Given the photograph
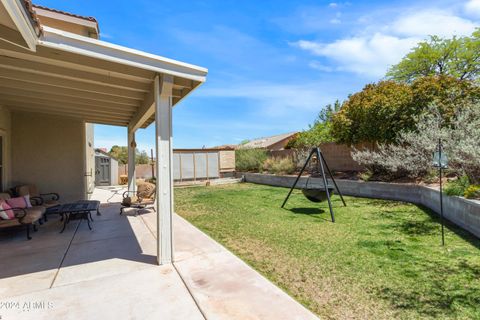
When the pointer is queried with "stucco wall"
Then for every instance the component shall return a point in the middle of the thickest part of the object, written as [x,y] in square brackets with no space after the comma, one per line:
[464,213]
[50,152]
[5,125]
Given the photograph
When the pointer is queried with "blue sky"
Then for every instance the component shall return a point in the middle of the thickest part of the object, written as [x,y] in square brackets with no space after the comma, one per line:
[272,64]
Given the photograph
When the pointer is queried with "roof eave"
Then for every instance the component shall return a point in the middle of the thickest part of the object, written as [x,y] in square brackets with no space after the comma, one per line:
[70,42]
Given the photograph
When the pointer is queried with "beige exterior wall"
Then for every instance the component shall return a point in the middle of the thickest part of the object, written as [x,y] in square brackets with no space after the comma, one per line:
[227,160]
[90,159]
[50,152]
[5,132]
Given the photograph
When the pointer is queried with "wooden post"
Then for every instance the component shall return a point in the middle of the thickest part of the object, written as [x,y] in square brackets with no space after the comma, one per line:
[164,168]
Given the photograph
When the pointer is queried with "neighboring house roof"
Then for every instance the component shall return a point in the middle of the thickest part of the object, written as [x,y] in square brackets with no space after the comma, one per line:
[267,141]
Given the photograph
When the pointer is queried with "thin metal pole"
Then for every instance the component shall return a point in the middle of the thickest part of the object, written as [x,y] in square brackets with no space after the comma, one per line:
[441,191]
[320,161]
[333,179]
[298,178]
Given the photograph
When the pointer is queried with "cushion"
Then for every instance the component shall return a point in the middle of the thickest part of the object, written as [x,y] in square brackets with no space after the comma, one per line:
[27,201]
[8,214]
[18,202]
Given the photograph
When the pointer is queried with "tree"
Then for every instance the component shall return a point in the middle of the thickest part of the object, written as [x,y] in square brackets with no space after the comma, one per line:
[375,114]
[456,57]
[121,154]
[319,132]
[381,110]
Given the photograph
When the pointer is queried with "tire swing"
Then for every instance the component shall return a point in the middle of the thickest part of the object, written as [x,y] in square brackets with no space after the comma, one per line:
[314,193]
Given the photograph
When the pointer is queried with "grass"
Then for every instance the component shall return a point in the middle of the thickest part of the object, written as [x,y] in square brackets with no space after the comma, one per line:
[380,260]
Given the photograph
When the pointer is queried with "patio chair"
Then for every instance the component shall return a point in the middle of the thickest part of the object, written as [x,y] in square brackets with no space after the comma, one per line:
[23,216]
[143,198]
[47,200]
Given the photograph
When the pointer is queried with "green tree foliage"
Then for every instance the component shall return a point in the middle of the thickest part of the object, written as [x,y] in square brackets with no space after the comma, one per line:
[318,132]
[121,154]
[458,57]
[375,114]
[381,110]
[248,159]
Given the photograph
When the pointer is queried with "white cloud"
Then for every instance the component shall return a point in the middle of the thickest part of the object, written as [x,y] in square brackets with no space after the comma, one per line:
[432,22]
[335,21]
[333,5]
[321,67]
[273,99]
[376,47]
[472,8]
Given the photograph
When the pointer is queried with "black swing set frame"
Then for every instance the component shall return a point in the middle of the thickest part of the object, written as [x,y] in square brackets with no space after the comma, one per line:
[322,164]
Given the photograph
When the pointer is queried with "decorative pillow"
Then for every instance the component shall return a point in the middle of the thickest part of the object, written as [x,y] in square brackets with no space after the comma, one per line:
[27,201]
[17,202]
[8,213]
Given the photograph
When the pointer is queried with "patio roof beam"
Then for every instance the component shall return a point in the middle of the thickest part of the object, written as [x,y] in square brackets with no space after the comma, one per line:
[74,65]
[61,107]
[69,74]
[57,98]
[119,55]
[14,105]
[67,92]
[100,119]
[69,84]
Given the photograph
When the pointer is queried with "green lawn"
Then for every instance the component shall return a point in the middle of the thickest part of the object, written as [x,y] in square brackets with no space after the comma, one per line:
[380,260]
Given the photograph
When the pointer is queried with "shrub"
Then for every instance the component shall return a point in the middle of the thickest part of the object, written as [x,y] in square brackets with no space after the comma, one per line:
[250,159]
[411,155]
[457,187]
[279,165]
[472,192]
[381,110]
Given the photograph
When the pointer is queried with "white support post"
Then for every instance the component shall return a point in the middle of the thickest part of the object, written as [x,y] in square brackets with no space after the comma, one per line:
[132,147]
[164,170]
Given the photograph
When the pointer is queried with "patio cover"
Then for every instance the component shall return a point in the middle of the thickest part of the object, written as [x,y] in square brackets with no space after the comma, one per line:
[50,71]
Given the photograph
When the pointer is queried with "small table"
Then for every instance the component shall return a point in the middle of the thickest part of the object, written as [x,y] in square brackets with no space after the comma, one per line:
[77,210]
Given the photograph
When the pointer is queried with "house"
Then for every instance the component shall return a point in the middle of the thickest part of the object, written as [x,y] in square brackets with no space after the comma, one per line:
[273,143]
[57,79]
[106,168]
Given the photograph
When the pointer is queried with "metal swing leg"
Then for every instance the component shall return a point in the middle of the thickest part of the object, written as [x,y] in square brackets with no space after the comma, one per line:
[333,179]
[320,163]
[298,178]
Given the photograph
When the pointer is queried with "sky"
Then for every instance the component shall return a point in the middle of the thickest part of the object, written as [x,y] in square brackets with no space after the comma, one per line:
[273,64]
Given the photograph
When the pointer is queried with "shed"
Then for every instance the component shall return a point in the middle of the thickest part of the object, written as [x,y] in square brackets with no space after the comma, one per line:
[106,169]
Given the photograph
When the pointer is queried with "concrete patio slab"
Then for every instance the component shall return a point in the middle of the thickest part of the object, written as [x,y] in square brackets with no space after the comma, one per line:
[155,293]
[111,273]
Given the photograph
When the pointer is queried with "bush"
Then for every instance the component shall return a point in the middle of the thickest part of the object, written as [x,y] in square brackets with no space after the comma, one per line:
[279,165]
[381,110]
[411,155]
[457,187]
[250,159]
[472,192]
